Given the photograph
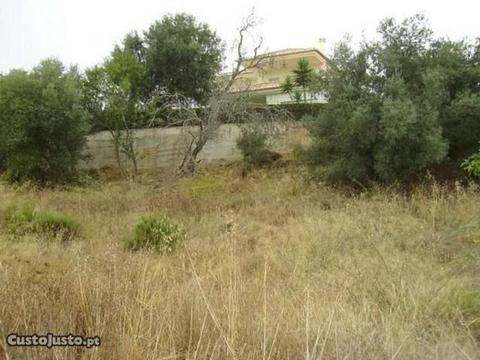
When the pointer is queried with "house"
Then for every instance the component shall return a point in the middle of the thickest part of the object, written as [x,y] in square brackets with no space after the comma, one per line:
[263,83]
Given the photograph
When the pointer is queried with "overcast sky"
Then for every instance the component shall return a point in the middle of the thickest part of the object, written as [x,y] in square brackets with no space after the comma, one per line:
[83,32]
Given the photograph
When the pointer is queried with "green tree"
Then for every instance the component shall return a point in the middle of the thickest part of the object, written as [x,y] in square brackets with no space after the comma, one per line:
[458,64]
[42,123]
[461,125]
[183,56]
[126,66]
[125,72]
[408,138]
[382,119]
[118,100]
[303,78]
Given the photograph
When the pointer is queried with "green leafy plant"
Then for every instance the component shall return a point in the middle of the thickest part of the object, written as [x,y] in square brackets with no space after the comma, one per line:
[26,219]
[472,165]
[19,220]
[254,148]
[382,120]
[158,233]
[42,123]
[303,79]
[183,56]
[461,125]
[56,225]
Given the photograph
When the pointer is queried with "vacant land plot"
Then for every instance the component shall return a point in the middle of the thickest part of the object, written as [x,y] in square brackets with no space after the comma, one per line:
[271,268]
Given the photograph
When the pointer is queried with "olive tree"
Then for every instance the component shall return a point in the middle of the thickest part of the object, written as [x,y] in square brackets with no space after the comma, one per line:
[42,123]
[394,105]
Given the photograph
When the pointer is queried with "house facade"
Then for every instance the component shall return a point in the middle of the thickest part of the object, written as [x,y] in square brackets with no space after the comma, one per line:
[263,83]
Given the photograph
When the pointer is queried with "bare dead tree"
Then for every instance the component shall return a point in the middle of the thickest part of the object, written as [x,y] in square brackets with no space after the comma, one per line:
[244,63]
[225,105]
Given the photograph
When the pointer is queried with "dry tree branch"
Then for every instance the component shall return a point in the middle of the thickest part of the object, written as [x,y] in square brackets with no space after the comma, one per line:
[200,124]
[242,63]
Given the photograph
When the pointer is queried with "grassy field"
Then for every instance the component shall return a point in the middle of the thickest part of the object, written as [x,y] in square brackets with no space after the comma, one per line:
[271,268]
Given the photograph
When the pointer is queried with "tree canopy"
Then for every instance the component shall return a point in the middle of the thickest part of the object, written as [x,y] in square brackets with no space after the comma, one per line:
[42,123]
[396,106]
[177,55]
[183,56]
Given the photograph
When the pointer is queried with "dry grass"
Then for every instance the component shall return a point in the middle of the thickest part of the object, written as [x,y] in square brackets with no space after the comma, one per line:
[271,269]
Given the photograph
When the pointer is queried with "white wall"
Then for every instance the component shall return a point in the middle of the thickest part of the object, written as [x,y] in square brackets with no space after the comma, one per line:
[277,99]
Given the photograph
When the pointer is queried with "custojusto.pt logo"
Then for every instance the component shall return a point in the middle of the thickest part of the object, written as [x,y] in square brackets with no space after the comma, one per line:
[50,340]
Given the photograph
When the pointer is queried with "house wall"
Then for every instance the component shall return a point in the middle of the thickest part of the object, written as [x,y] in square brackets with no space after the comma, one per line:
[263,78]
[163,148]
[276,99]
[281,98]
[274,71]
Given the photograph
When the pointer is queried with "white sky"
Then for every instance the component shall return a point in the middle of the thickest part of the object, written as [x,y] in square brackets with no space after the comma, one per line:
[83,32]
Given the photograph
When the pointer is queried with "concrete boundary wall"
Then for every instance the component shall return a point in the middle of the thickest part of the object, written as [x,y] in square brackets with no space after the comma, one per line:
[158,148]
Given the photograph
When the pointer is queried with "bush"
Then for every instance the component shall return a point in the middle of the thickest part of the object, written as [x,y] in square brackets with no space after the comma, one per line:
[381,121]
[253,146]
[56,225]
[461,126]
[26,219]
[157,233]
[42,124]
[19,220]
[472,165]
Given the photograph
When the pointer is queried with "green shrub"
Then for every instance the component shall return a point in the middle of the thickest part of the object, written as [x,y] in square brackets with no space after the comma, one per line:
[56,225]
[19,220]
[25,219]
[157,233]
[472,165]
[253,146]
